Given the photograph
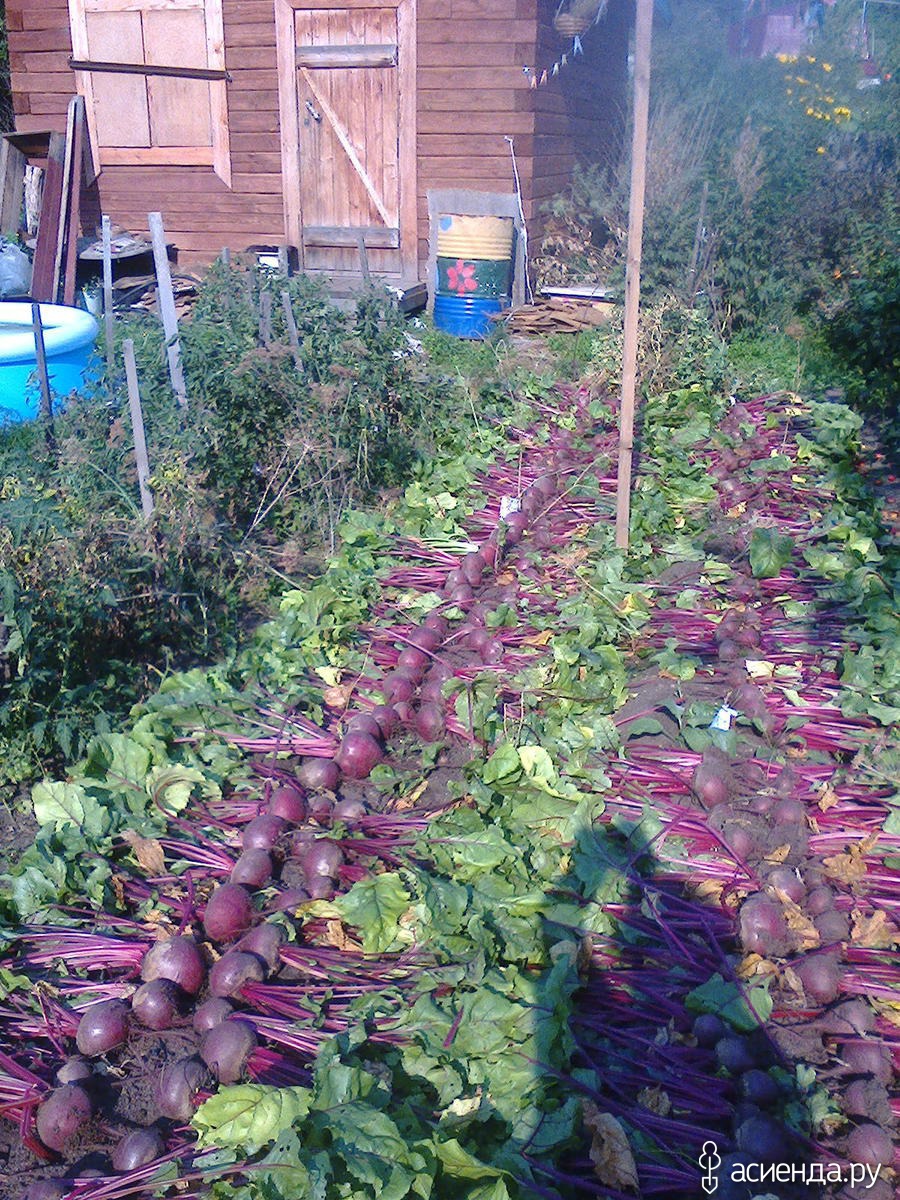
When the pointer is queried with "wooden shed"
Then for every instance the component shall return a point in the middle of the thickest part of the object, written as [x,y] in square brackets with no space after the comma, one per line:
[320,124]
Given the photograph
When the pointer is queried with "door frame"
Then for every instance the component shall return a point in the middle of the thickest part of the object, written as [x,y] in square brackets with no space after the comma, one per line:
[289,119]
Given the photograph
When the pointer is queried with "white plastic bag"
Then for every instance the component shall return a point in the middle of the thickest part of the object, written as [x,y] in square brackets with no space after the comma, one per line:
[15,270]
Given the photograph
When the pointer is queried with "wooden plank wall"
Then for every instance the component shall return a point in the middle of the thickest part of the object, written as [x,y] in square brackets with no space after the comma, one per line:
[580,115]
[595,88]
[471,94]
[201,214]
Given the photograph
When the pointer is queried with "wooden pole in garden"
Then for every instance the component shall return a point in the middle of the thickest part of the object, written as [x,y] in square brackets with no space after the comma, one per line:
[108,300]
[40,355]
[166,301]
[137,425]
[642,39]
[292,329]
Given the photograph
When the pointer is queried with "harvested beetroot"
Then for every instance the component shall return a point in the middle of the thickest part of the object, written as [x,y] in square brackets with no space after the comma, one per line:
[265,941]
[709,784]
[763,1139]
[253,869]
[788,881]
[211,1013]
[758,1087]
[322,859]
[762,926]
[136,1149]
[386,717]
[820,975]
[62,1115]
[179,959]
[74,1070]
[321,810]
[868,1057]
[349,811]
[708,1029]
[102,1027]
[735,1054]
[358,754]
[398,686]
[178,1085]
[289,803]
[233,970]
[319,774]
[263,832]
[849,1017]
[430,722]
[157,1004]
[47,1189]
[820,900]
[832,926]
[473,568]
[871,1145]
[364,723]
[226,1047]
[414,661]
[229,913]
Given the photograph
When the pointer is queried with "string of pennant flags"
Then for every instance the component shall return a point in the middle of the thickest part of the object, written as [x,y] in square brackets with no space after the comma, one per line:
[564,23]
[537,78]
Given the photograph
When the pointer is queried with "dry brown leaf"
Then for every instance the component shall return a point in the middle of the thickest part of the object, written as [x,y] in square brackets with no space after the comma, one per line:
[877,932]
[754,965]
[505,577]
[805,934]
[707,889]
[791,980]
[656,1100]
[119,888]
[574,556]
[779,854]
[828,797]
[404,803]
[747,966]
[610,1152]
[147,851]
[738,510]
[538,639]
[338,696]
[334,934]
[850,867]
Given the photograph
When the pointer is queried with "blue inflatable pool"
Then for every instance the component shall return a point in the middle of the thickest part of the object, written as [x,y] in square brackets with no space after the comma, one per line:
[69,335]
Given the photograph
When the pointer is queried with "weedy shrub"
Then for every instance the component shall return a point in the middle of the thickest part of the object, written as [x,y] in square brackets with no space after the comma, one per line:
[250,483]
[677,346]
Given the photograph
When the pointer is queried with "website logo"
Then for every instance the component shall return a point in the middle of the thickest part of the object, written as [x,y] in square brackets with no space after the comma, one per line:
[710,1160]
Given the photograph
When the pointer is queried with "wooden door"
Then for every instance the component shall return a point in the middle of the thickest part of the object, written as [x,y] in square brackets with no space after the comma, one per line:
[350,186]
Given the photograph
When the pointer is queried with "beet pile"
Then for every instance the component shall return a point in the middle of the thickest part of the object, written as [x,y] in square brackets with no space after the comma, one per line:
[715,937]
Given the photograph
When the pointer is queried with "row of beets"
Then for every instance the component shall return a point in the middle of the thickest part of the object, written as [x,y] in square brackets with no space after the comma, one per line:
[747,830]
[201,988]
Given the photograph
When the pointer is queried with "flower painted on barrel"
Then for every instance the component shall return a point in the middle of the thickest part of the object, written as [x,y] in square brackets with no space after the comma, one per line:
[461,278]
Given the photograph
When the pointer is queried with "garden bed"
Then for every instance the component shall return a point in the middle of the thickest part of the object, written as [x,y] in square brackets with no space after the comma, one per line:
[550,928]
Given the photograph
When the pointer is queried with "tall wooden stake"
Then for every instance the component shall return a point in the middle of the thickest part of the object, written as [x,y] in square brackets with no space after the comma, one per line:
[642,38]
[108,301]
[293,334]
[137,425]
[166,301]
[46,402]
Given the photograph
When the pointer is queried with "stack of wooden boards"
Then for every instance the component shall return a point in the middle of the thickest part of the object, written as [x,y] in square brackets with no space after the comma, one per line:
[557,315]
[67,168]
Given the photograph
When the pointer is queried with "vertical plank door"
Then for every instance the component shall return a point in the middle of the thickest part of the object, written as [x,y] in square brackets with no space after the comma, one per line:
[354,170]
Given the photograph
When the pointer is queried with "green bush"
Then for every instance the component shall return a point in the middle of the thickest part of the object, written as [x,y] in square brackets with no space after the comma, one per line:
[250,483]
[864,335]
